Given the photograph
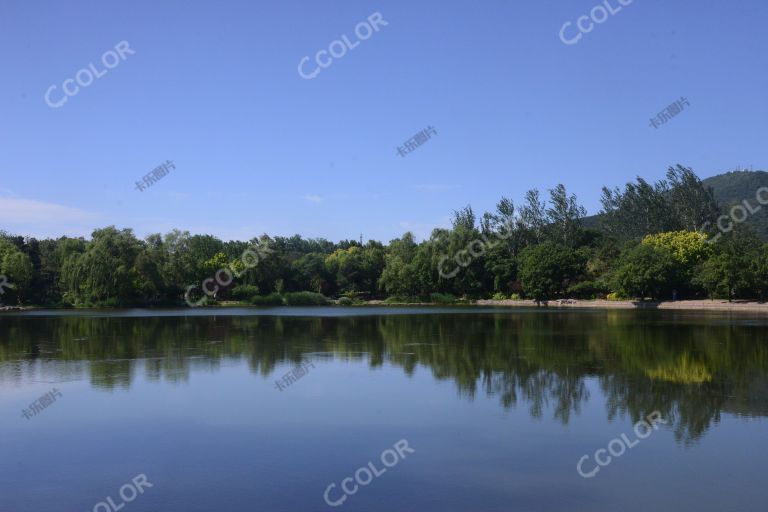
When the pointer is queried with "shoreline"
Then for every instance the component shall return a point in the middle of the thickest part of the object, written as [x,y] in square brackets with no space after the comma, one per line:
[691,305]
[686,305]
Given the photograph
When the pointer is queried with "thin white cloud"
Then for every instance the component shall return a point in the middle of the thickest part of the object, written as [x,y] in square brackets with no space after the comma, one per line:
[423,230]
[315,198]
[28,217]
[23,211]
[435,187]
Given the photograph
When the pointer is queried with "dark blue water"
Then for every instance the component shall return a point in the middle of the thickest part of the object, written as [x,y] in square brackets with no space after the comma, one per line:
[497,407]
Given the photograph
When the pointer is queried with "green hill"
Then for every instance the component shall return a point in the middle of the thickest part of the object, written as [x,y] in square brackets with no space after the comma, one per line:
[730,188]
[734,187]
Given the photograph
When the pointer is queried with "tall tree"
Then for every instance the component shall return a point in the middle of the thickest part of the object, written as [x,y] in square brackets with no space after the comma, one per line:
[564,216]
[681,202]
[533,215]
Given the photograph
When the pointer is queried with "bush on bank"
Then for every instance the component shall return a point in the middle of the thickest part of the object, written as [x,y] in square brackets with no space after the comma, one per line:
[442,298]
[244,292]
[290,299]
[273,299]
[305,299]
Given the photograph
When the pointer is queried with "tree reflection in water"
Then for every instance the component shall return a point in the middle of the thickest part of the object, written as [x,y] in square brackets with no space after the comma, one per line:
[691,367]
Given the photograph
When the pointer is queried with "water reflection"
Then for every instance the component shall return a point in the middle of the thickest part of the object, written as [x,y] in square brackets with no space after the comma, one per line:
[690,367]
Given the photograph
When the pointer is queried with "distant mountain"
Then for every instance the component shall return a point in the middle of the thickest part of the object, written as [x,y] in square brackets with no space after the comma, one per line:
[735,187]
[731,188]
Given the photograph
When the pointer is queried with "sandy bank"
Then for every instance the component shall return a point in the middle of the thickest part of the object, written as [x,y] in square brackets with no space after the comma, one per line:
[712,305]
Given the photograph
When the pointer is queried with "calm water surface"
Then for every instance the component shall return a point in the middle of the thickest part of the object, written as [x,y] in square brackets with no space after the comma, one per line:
[498,407]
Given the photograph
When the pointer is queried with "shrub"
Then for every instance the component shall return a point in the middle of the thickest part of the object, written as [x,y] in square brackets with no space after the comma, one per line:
[345,301]
[357,297]
[305,299]
[442,298]
[273,299]
[614,296]
[244,291]
[111,302]
[515,296]
[584,290]
[499,296]
[397,299]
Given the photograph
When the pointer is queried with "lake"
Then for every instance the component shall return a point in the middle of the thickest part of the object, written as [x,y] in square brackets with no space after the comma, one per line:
[382,409]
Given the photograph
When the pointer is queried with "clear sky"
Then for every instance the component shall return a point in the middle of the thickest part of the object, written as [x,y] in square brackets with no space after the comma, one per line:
[215,88]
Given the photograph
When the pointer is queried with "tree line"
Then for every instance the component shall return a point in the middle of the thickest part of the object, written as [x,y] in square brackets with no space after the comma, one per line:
[651,241]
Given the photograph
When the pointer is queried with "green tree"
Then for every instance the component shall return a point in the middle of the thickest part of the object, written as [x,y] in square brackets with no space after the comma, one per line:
[687,247]
[356,269]
[459,257]
[311,274]
[693,204]
[734,270]
[18,270]
[548,269]
[399,275]
[680,202]
[761,271]
[105,273]
[533,216]
[646,271]
[564,216]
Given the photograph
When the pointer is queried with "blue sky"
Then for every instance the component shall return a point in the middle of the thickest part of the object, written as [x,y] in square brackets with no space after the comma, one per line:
[214,87]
